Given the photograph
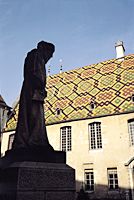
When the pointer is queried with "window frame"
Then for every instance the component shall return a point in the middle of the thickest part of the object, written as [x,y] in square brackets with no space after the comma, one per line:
[130,124]
[112,179]
[90,180]
[67,145]
[95,135]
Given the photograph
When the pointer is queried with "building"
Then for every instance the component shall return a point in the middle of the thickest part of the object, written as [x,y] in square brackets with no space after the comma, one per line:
[4,113]
[89,114]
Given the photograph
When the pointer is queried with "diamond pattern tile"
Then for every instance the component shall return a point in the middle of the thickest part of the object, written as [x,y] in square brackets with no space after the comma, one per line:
[109,84]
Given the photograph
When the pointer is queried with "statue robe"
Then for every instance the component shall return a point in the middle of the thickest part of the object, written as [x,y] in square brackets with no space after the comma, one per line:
[31,130]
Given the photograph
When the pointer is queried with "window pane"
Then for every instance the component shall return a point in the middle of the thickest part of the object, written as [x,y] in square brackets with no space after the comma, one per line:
[92,187]
[110,175]
[116,186]
[115,175]
[111,186]
[116,182]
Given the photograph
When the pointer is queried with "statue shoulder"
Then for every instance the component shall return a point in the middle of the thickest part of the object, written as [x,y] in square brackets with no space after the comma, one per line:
[32,52]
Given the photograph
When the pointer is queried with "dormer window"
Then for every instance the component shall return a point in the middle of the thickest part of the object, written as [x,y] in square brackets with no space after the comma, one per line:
[132,98]
[92,105]
[58,111]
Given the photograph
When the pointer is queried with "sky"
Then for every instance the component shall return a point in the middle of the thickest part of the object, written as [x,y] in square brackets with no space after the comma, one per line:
[84,32]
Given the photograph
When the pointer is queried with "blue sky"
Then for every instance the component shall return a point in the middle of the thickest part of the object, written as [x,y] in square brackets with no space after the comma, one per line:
[83,31]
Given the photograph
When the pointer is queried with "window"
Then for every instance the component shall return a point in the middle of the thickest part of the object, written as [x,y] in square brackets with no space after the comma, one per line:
[95,135]
[112,179]
[89,180]
[66,143]
[92,105]
[58,111]
[132,98]
[131,130]
[10,142]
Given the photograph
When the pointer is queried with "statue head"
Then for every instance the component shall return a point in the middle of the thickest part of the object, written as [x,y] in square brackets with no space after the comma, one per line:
[47,50]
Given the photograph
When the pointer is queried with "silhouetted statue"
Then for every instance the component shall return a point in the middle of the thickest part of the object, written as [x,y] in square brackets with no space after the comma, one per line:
[31,129]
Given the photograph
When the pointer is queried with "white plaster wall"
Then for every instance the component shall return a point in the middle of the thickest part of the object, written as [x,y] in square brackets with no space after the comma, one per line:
[116,149]
[5,140]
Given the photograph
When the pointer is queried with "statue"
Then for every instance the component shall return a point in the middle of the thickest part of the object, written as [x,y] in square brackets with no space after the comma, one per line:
[31,141]
[32,169]
[31,129]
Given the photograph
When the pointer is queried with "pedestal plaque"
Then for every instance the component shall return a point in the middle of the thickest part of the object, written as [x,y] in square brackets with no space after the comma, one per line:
[37,181]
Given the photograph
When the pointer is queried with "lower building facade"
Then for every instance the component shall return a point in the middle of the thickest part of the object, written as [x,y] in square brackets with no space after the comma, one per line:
[101,150]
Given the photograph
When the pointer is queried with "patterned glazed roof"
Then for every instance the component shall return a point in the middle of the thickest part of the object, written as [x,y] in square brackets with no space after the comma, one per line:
[108,85]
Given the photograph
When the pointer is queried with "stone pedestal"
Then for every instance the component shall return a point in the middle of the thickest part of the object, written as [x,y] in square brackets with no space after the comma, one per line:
[37,181]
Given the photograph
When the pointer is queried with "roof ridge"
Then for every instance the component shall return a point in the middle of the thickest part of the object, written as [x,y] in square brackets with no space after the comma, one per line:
[94,64]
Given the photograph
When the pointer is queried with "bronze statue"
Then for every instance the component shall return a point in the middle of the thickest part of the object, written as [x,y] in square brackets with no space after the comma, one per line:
[31,129]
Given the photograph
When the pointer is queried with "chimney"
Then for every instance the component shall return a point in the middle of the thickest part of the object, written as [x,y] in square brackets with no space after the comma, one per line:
[120,50]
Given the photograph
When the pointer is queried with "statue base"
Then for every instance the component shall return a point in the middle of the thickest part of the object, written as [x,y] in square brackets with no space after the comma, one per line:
[33,154]
[37,181]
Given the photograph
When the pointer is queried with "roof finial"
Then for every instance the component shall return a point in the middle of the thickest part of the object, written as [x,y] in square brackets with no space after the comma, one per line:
[60,65]
[49,70]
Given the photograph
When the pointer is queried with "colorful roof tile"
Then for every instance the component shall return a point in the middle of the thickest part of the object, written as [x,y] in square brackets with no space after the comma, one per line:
[109,85]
